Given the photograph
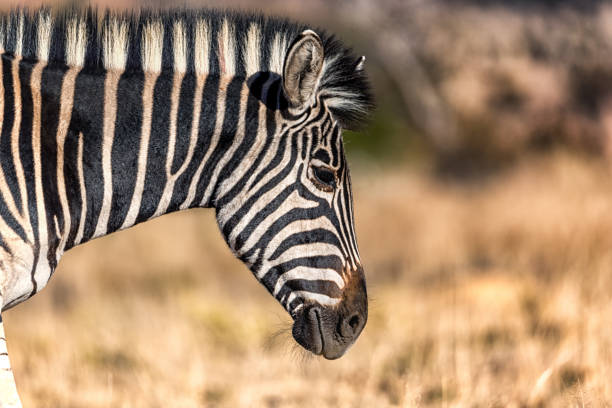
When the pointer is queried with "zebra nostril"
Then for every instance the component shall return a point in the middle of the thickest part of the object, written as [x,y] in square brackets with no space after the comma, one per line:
[351,325]
[354,322]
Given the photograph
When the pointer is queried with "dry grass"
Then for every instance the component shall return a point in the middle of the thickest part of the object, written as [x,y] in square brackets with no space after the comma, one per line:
[490,294]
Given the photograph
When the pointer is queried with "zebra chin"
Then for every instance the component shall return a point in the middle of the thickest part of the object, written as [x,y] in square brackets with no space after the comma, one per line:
[331,330]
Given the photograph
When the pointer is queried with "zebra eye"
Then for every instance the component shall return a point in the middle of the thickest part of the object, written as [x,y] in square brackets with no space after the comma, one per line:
[324,178]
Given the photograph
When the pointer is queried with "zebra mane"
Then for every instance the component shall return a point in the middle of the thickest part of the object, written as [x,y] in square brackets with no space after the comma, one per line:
[197,41]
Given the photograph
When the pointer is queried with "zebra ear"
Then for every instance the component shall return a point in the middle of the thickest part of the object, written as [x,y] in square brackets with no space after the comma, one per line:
[302,69]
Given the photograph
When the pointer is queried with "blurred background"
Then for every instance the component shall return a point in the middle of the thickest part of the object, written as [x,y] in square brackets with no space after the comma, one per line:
[484,216]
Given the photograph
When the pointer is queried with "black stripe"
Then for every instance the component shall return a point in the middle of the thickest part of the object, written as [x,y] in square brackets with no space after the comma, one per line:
[334,144]
[213,30]
[167,48]
[93,53]
[126,146]
[240,30]
[51,82]
[8,121]
[30,36]
[323,155]
[88,117]
[11,34]
[155,177]
[26,154]
[134,56]
[73,187]
[33,273]
[184,121]
[190,38]
[57,46]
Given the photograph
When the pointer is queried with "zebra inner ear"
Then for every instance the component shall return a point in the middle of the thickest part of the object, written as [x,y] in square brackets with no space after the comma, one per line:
[302,69]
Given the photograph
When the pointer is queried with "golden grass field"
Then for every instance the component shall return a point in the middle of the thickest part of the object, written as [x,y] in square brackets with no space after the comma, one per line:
[489,293]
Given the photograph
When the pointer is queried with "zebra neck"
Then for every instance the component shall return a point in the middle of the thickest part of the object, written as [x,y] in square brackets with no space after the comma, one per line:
[140,145]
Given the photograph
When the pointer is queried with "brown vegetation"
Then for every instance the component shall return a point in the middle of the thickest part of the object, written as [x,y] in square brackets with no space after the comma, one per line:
[494,293]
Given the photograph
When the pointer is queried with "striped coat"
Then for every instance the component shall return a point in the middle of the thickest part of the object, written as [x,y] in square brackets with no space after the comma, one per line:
[110,120]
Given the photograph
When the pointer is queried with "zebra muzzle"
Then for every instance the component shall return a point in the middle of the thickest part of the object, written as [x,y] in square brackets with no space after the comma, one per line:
[330,331]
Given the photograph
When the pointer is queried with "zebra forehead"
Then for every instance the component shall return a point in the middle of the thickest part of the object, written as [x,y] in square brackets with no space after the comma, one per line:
[201,41]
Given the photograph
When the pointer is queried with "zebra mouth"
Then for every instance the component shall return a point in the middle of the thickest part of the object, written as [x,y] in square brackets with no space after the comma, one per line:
[321,336]
[308,330]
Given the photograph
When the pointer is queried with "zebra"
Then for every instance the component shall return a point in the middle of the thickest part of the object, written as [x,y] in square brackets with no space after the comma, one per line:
[109,119]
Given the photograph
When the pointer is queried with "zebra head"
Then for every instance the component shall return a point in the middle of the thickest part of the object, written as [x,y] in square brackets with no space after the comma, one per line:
[293,226]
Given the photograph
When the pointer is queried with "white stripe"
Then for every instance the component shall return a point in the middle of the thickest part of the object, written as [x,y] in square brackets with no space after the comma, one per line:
[76,42]
[179,45]
[311,274]
[110,116]
[43,37]
[19,40]
[152,46]
[145,134]
[202,44]
[115,44]
[227,49]
[3,30]
[319,298]
[66,104]
[83,216]
[277,51]
[251,50]
[166,196]
[43,270]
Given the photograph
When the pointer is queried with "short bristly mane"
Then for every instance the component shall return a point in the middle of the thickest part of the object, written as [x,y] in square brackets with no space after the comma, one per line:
[199,41]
